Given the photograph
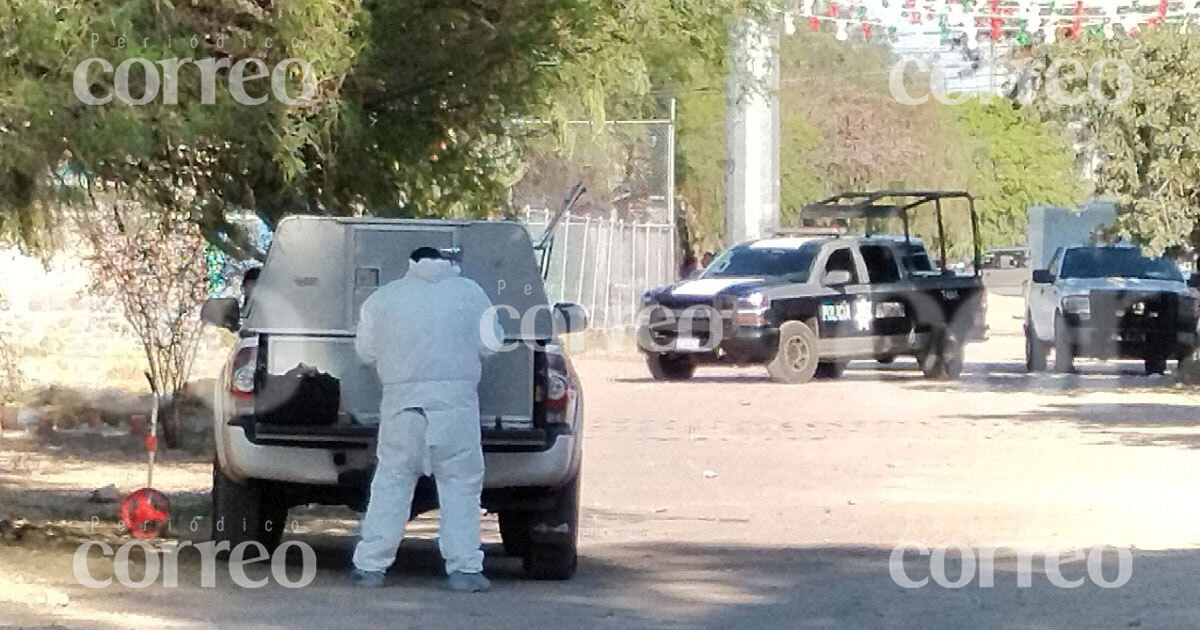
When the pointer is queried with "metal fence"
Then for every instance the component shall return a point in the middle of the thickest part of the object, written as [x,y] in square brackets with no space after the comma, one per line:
[605,265]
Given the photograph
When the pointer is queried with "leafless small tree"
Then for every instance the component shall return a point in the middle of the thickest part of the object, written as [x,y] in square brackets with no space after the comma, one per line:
[152,262]
[11,378]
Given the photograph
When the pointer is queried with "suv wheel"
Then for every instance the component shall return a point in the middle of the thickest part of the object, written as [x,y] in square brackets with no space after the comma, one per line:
[943,358]
[552,551]
[251,511]
[664,367]
[797,358]
[1064,346]
[1035,349]
[831,369]
[1155,365]
[514,532]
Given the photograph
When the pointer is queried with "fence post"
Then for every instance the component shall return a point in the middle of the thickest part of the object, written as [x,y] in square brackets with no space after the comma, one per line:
[566,246]
[587,229]
[608,274]
[596,269]
[646,263]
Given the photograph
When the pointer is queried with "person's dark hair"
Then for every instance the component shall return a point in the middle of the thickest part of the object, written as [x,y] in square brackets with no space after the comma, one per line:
[421,253]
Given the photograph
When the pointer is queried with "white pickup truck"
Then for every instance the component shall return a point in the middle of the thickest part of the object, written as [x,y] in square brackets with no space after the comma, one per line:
[1110,303]
[303,314]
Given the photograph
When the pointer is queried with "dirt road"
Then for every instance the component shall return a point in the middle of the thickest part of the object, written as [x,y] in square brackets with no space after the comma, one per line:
[729,501]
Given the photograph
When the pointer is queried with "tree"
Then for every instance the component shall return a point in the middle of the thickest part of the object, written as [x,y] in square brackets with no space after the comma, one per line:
[1015,162]
[151,262]
[413,111]
[11,377]
[1147,145]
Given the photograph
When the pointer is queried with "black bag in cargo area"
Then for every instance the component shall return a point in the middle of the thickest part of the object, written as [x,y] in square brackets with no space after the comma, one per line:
[303,396]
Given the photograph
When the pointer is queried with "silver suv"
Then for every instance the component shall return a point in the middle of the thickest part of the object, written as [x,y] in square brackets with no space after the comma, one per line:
[278,447]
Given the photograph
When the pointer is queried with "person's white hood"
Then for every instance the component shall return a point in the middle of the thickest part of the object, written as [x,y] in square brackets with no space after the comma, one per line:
[432,270]
[424,333]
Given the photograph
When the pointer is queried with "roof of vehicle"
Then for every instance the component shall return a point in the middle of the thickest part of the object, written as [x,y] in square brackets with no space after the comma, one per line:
[894,238]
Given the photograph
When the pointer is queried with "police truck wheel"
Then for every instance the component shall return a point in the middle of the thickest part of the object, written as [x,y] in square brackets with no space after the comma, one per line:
[797,358]
[1155,365]
[831,369]
[242,512]
[1064,347]
[552,553]
[514,532]
[943,358]
[1035,350]
[665,367]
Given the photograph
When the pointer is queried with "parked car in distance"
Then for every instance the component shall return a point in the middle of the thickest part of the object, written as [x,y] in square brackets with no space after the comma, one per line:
[805,306]
[1109,302]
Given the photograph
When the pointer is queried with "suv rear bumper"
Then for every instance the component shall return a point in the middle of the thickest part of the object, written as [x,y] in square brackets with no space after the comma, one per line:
[242,459]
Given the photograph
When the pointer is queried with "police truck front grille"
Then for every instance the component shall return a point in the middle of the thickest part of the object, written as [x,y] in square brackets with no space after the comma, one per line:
[668,323]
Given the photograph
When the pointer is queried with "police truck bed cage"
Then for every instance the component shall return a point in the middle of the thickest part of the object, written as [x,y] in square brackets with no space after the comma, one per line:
[888,204]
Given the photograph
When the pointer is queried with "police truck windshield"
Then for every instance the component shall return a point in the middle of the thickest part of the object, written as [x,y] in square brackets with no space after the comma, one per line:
[749,261]
[1116,262]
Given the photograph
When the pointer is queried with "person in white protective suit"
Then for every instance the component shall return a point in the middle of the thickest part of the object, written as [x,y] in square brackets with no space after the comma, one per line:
[426,334]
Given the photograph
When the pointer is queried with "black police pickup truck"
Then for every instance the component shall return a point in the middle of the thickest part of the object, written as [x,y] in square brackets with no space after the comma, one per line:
[804,306]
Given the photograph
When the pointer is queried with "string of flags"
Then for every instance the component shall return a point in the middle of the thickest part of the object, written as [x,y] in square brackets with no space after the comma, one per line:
[1011,21]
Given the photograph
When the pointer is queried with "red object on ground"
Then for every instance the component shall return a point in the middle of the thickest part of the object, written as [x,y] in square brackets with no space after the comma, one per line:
[145,513]
[8,417]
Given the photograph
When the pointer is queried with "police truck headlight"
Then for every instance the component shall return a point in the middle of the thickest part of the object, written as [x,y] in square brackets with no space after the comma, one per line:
[1077,305]
[751,310]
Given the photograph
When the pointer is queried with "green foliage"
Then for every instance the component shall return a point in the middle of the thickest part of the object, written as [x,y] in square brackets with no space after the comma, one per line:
[1149,143]
[413,115]
[843,130]
[1016,162]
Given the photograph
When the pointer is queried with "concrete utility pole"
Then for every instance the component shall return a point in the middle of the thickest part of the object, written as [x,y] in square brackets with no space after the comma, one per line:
[752,131]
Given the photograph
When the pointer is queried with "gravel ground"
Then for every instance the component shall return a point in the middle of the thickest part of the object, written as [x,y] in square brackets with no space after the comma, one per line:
[729,501]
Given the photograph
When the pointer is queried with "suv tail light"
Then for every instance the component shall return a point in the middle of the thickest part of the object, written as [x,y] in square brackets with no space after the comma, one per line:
[241,375]
[562,387]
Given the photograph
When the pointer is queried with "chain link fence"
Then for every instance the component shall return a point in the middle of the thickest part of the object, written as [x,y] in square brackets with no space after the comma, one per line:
[605,265]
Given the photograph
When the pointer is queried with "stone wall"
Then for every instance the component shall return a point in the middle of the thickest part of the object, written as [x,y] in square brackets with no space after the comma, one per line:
[62,335]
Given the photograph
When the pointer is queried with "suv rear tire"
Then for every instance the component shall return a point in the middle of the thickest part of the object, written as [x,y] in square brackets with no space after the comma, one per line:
[943,358]
[553,554]
[797,357]
[1155,365]
[1035,349]
[665,367]
[514,532]
[259,505]
[1064,346]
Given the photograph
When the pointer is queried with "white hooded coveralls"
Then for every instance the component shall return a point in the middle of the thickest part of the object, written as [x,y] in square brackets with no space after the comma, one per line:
[425,333]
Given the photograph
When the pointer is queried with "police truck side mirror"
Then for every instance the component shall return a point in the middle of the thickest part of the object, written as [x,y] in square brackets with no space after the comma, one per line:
[223,312]
[1042,276]
[569,317]
[836,278]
